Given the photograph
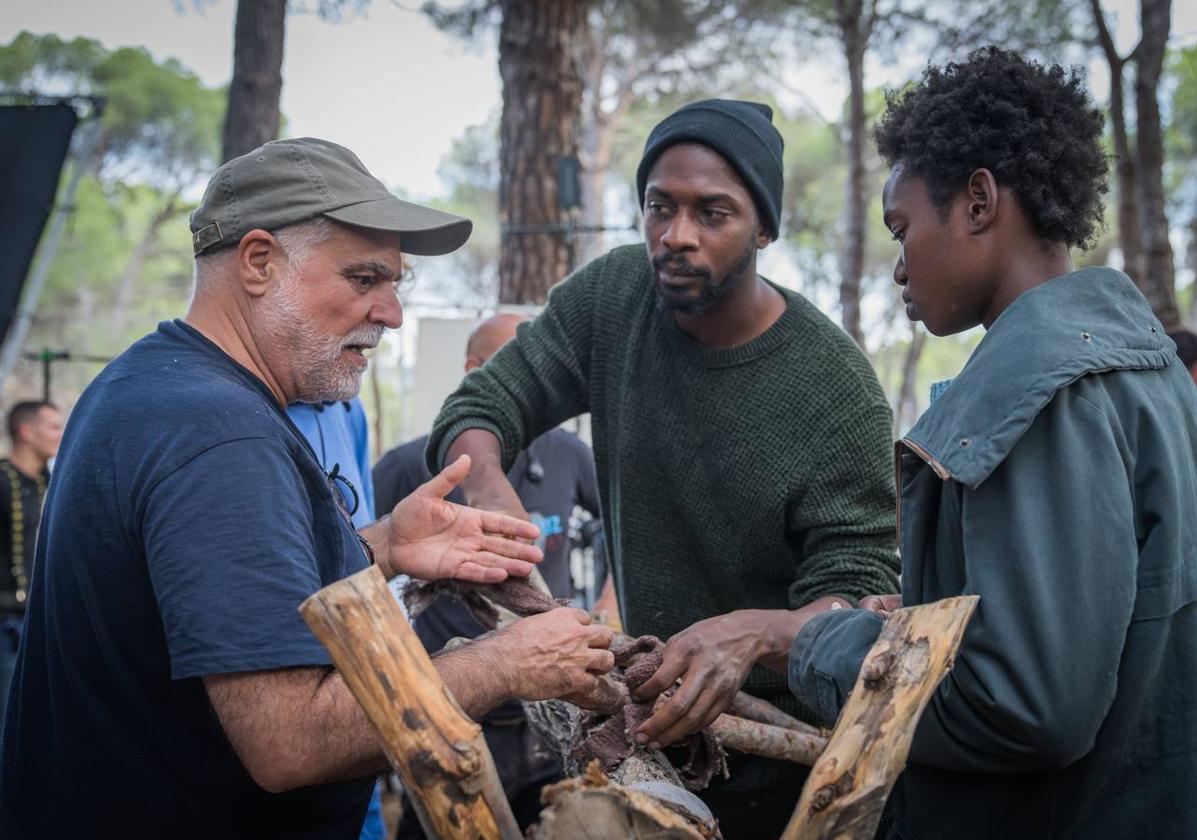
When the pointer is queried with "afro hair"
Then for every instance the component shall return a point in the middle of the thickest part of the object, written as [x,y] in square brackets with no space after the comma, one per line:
[1034,127]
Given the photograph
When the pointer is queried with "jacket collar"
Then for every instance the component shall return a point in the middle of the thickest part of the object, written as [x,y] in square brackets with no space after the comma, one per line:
[1090,321]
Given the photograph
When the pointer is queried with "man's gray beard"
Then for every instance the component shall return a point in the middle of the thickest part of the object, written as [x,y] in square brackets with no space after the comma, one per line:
[320,375]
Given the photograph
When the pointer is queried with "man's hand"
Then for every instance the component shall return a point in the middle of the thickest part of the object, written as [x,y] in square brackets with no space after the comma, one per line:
[430,538]
[882,604]
[555,654]
[712,658]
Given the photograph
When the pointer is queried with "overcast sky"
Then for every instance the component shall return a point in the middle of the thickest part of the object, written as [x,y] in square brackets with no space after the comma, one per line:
[385,83]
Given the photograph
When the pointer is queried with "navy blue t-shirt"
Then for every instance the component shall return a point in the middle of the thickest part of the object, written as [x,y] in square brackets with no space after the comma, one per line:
[187,520]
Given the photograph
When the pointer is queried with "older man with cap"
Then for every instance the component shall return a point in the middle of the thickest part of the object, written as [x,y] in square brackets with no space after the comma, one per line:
[166,685]
[742,441]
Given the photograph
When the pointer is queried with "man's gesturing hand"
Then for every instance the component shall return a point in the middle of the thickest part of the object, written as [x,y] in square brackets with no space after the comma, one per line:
[431,538]
[556,654]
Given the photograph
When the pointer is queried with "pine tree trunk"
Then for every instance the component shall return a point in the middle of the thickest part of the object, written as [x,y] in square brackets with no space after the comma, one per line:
[1159,280]
[541,45]
[1129,241]
[253,115]
[1192,261]
[598,141]
[855,38]
[907,400]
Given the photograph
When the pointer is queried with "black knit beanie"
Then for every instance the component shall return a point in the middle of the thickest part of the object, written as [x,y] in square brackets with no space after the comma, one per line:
[742,133]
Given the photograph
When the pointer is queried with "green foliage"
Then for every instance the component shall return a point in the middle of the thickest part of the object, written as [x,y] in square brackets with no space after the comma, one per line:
[124,262]
[160,124]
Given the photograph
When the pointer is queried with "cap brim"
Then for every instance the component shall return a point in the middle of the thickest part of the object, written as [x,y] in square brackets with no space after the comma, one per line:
[422,231]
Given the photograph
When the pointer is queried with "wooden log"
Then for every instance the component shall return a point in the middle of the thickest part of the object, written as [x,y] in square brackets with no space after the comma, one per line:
[777,742]
[437,750]
[847,788]
[596,808]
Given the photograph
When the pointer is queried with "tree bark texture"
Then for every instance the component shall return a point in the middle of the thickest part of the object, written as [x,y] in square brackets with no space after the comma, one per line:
[541,48]
[854,25]
[437,750]
[847,788]
[1129,241]
[1159,279]
[253,115]
[907,410]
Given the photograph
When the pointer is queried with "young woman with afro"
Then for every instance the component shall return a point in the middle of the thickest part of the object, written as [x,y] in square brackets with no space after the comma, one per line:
[1054,477]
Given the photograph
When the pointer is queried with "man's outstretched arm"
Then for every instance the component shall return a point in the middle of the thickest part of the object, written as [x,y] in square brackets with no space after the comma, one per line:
[301,726]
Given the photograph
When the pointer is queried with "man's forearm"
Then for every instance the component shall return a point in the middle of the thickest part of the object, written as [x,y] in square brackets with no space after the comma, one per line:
[476,676]
[486,461]
[778,628]
[303,726]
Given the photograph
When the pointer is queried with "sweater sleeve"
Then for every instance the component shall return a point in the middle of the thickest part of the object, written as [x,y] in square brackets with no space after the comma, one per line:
[843,521]
[536,381]
[1050,546]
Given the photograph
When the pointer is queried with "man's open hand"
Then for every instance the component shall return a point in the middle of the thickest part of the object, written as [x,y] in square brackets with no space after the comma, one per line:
[431,538]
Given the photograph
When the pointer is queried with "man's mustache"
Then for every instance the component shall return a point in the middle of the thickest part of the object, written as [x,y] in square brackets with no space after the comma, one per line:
[678,266]
[365,336]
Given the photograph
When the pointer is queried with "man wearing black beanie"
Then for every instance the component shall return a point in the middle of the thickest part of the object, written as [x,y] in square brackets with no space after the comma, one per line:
[742,441]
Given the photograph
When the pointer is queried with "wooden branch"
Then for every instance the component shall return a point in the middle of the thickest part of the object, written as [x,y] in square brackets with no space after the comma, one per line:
[436,749]
[750,736]
[849,784]
[754,708]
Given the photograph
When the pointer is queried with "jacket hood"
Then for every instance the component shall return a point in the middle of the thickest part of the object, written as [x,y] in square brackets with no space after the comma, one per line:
[1090,321]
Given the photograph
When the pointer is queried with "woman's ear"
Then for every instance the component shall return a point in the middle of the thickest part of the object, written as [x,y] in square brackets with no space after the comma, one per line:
[982,193]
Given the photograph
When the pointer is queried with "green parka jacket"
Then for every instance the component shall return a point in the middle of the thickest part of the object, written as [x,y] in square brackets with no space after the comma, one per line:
[1056,478]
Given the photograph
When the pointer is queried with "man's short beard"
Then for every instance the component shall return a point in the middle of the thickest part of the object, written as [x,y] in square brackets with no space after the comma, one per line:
[711,292]
[315,357]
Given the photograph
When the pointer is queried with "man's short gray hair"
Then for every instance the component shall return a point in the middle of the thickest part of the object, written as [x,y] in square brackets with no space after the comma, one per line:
[296,242]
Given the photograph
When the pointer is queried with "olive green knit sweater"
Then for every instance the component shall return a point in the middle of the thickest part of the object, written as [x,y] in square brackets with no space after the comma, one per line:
[759,476]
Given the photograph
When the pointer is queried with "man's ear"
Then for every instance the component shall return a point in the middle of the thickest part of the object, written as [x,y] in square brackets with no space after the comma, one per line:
[260,259]
[762,238]
[982,194]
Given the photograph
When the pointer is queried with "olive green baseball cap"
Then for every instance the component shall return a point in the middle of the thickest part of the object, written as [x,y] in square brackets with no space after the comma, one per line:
[290,181]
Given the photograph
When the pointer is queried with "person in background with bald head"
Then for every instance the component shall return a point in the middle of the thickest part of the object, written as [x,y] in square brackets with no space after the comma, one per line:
[552,476]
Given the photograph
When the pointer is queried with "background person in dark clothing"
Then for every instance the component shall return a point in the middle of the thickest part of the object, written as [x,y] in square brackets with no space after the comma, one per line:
[1186,349]
[552,476]
[34,430]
